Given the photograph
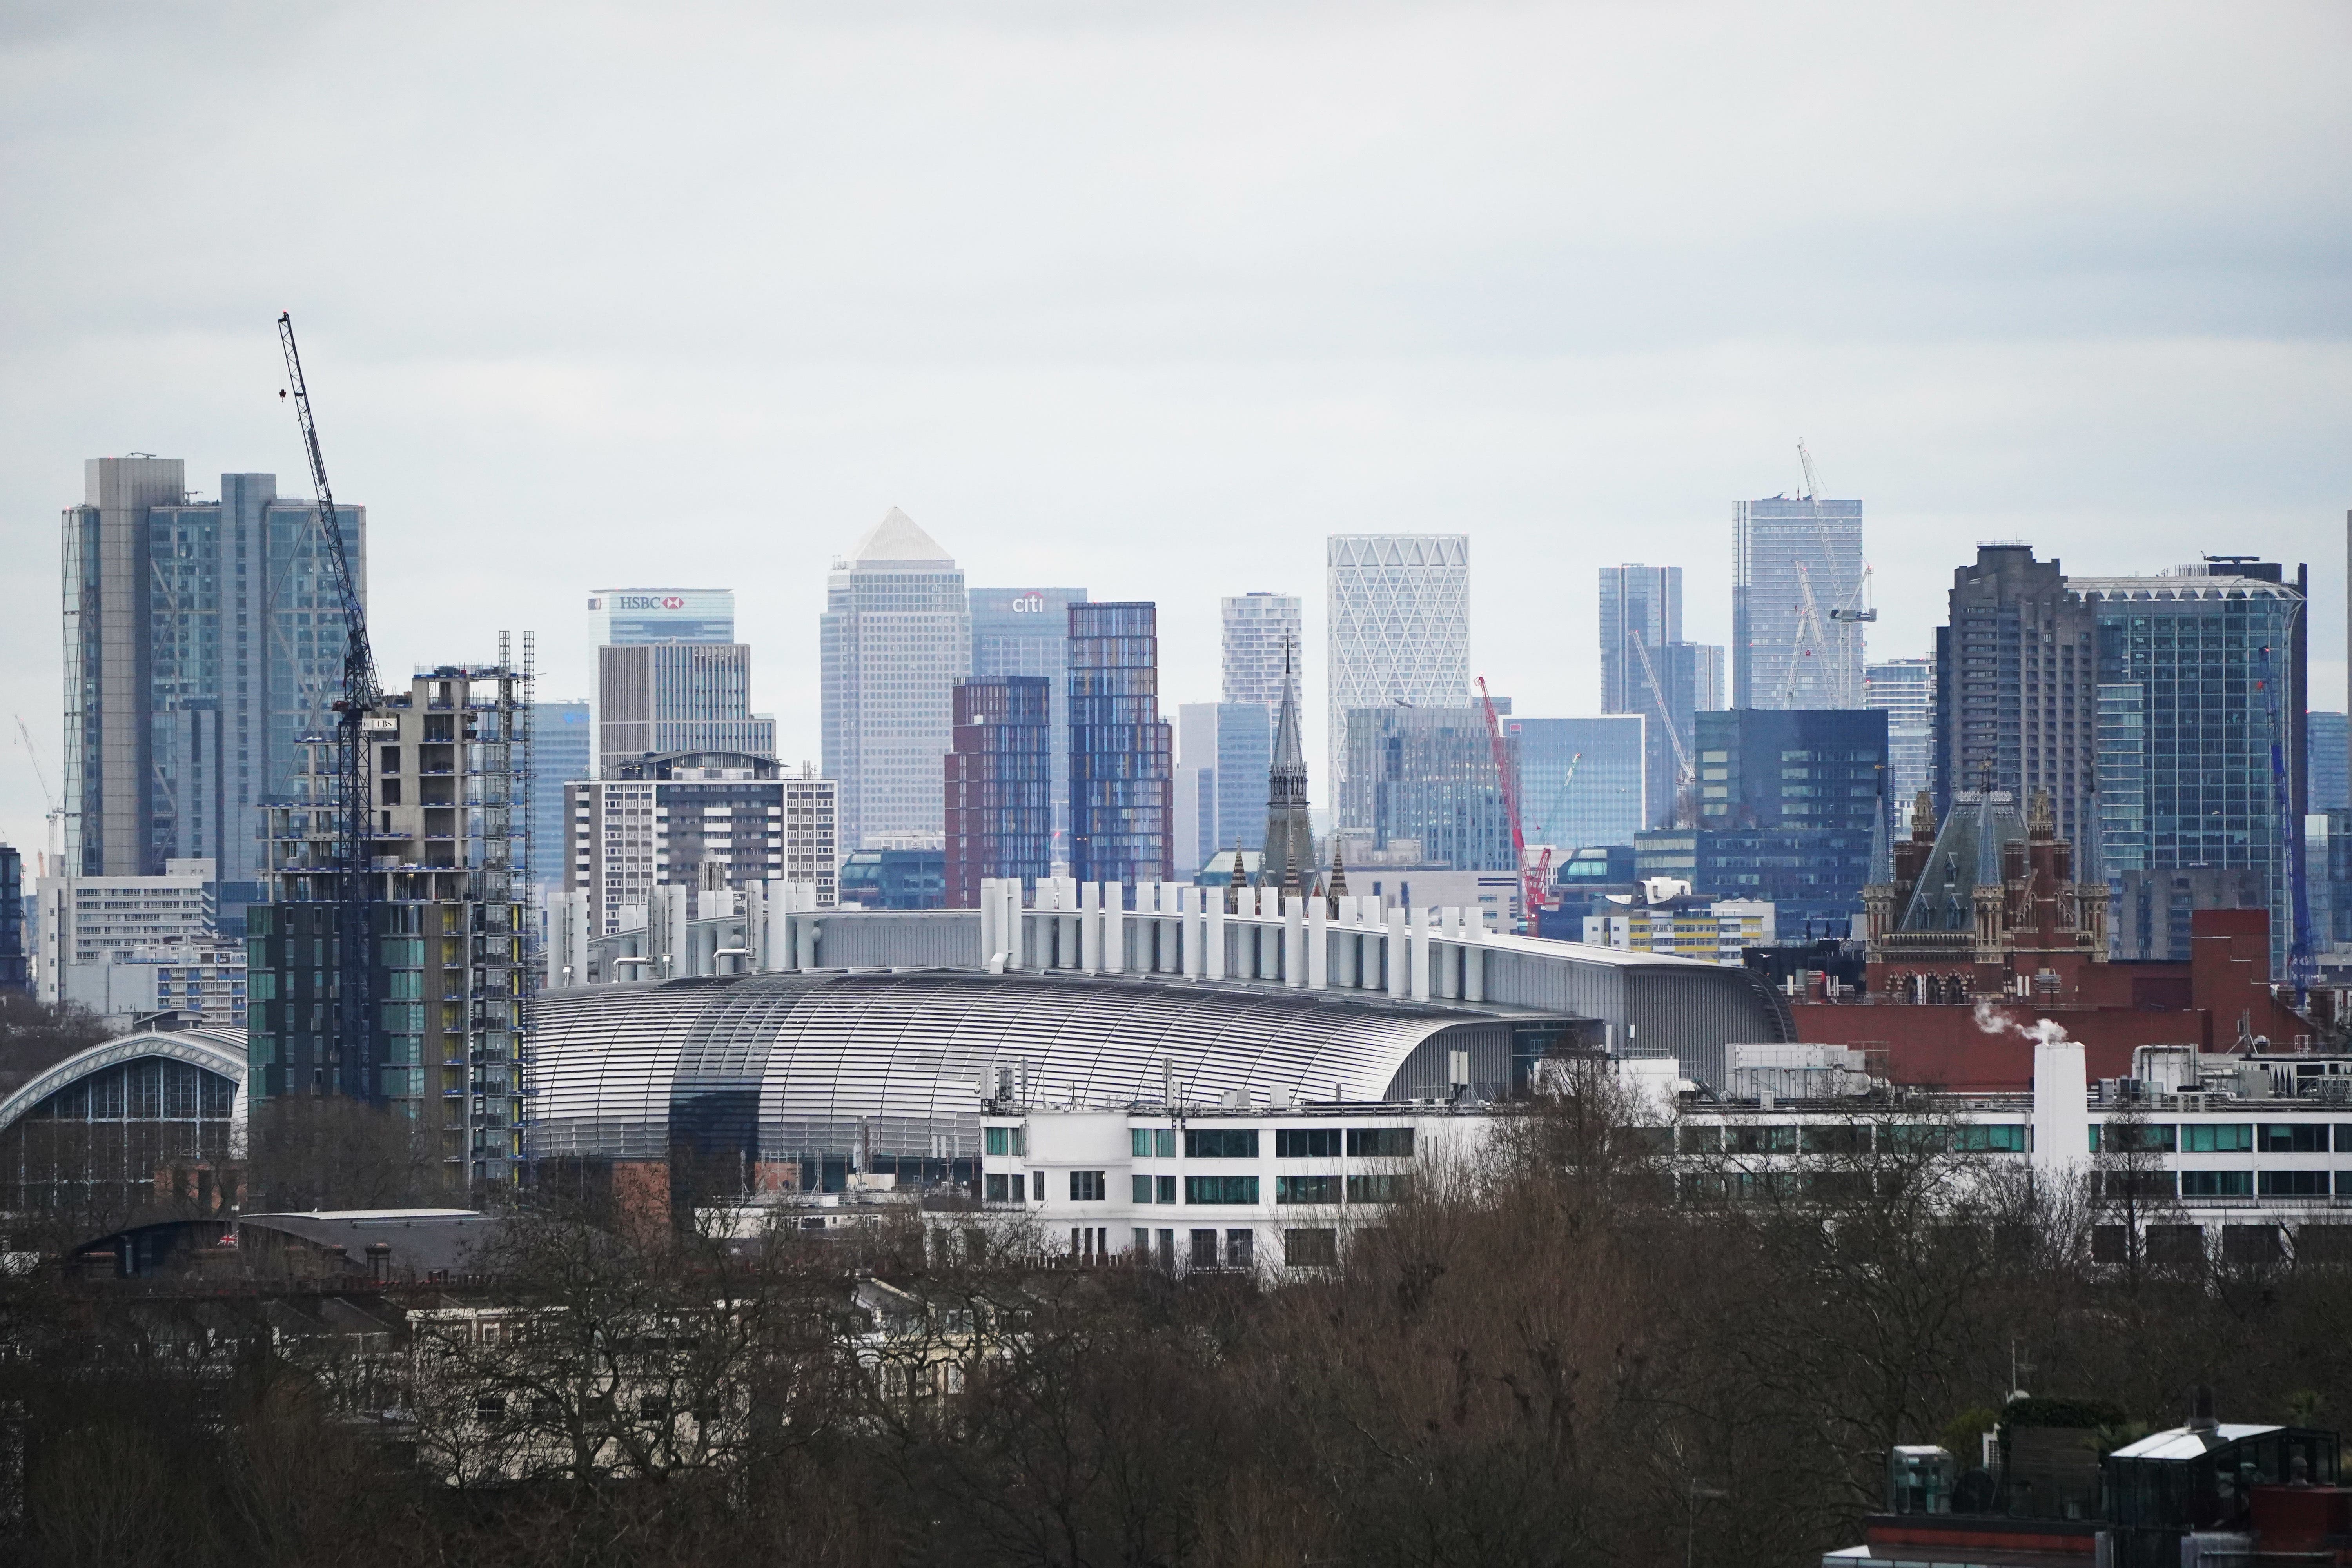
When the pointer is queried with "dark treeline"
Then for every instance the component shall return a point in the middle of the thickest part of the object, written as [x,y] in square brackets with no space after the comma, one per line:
[1542,1359]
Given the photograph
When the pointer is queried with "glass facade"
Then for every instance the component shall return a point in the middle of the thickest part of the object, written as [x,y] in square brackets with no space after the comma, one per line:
[1582,779]
[1122,755]
[1647,669]
[1026,631]
[202,638]
[1798,562]
[97,1143]
[1427,776]
[624,615]
[560,754]
[1905,688]
[1813,878]
[1261,638]
[894,638]
[2201,684]
[1227,751]
[1397,620]
[998,785]
[1810,768]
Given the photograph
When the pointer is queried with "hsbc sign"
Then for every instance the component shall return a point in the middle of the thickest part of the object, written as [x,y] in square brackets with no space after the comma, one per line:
[648,602]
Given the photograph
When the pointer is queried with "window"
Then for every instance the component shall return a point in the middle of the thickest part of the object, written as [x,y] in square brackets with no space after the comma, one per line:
[1167,1188]
[1142,1188]
[2217,1138]
[1701,1140]
[1380,1142]
[1305,1143]
[490,1409]
[1379,1189]
[1220,1189]
[1204,1249]
[1088,1187]
[1241,1248]
[1763,1139]
[1828,1138]
[1006,1140]
[1307,1189]
[2294,1184]
[2343,1135]
[1996,1138]
[1221,1143]
[2122,1138]
[1163,1143]
[2292,1138]
[2217,1184]
[1310,1248]
[1140,1142]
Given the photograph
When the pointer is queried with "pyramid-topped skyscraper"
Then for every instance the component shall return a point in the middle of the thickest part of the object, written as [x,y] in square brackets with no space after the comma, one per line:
[897,637]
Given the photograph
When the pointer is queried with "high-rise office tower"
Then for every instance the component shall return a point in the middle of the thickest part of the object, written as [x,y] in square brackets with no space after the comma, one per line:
[999,784]
[1399,630]
[1026,631]
[657,699]
[2201,748]
[1259,648]
[2014,707]
[1224,751]
[560,754]
[1905,688]
[201,638]
[1122,753]
[13,969]
[1797,583]
[1289,857]
[1581,781]
[896,637]
[1647,669]
[670,676]
[2331,785]
[619,617]
[1428,780]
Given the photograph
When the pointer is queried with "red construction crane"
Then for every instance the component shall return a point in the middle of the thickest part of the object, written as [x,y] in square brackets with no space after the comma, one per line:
[1531,884]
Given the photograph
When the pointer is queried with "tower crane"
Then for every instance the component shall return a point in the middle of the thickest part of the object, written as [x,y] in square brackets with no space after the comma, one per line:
[1530,889]
[351,798]
[54,851]
[1683,773]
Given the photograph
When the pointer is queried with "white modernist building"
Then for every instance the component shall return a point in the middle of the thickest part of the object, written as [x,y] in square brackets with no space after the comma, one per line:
[1399,629]
[897,637]
[1260,648]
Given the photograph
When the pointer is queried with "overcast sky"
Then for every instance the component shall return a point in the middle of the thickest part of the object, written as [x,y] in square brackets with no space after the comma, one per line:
[1149,298]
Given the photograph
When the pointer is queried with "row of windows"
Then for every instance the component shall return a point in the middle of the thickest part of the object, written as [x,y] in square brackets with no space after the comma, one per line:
[1242,1142]
[2228,1138]
[1852,1138]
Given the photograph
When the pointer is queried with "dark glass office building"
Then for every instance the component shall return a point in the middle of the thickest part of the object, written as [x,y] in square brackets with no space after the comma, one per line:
[999,784]
[1796,767]
[1122,755]
[1428,776]
[1812,875]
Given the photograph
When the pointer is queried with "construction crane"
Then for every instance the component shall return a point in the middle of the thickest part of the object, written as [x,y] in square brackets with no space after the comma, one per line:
[53,861]
[353,797]
[1854,609]
[1530,887]
[1683,773]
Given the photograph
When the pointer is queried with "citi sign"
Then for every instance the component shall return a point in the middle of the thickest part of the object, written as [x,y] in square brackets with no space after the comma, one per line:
[1029,605]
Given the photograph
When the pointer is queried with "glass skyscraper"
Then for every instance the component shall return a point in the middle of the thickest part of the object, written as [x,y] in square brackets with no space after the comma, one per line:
[1905,688]
[894,638]
[1582,779]
[1796,576]
[1026,631]
[1428,778]
[2331,783]
[560,754]
[1224,751]
[1647,669]
[1399,630]
[670,676]
[1122,753]
[202,638]
[2201,747]
[620,616]
[998,779]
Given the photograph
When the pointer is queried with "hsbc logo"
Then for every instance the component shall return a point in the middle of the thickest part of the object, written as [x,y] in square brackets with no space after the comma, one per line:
[1029,605]
[648,602]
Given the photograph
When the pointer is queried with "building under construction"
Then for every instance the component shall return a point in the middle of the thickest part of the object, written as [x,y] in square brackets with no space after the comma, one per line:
[448,765]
